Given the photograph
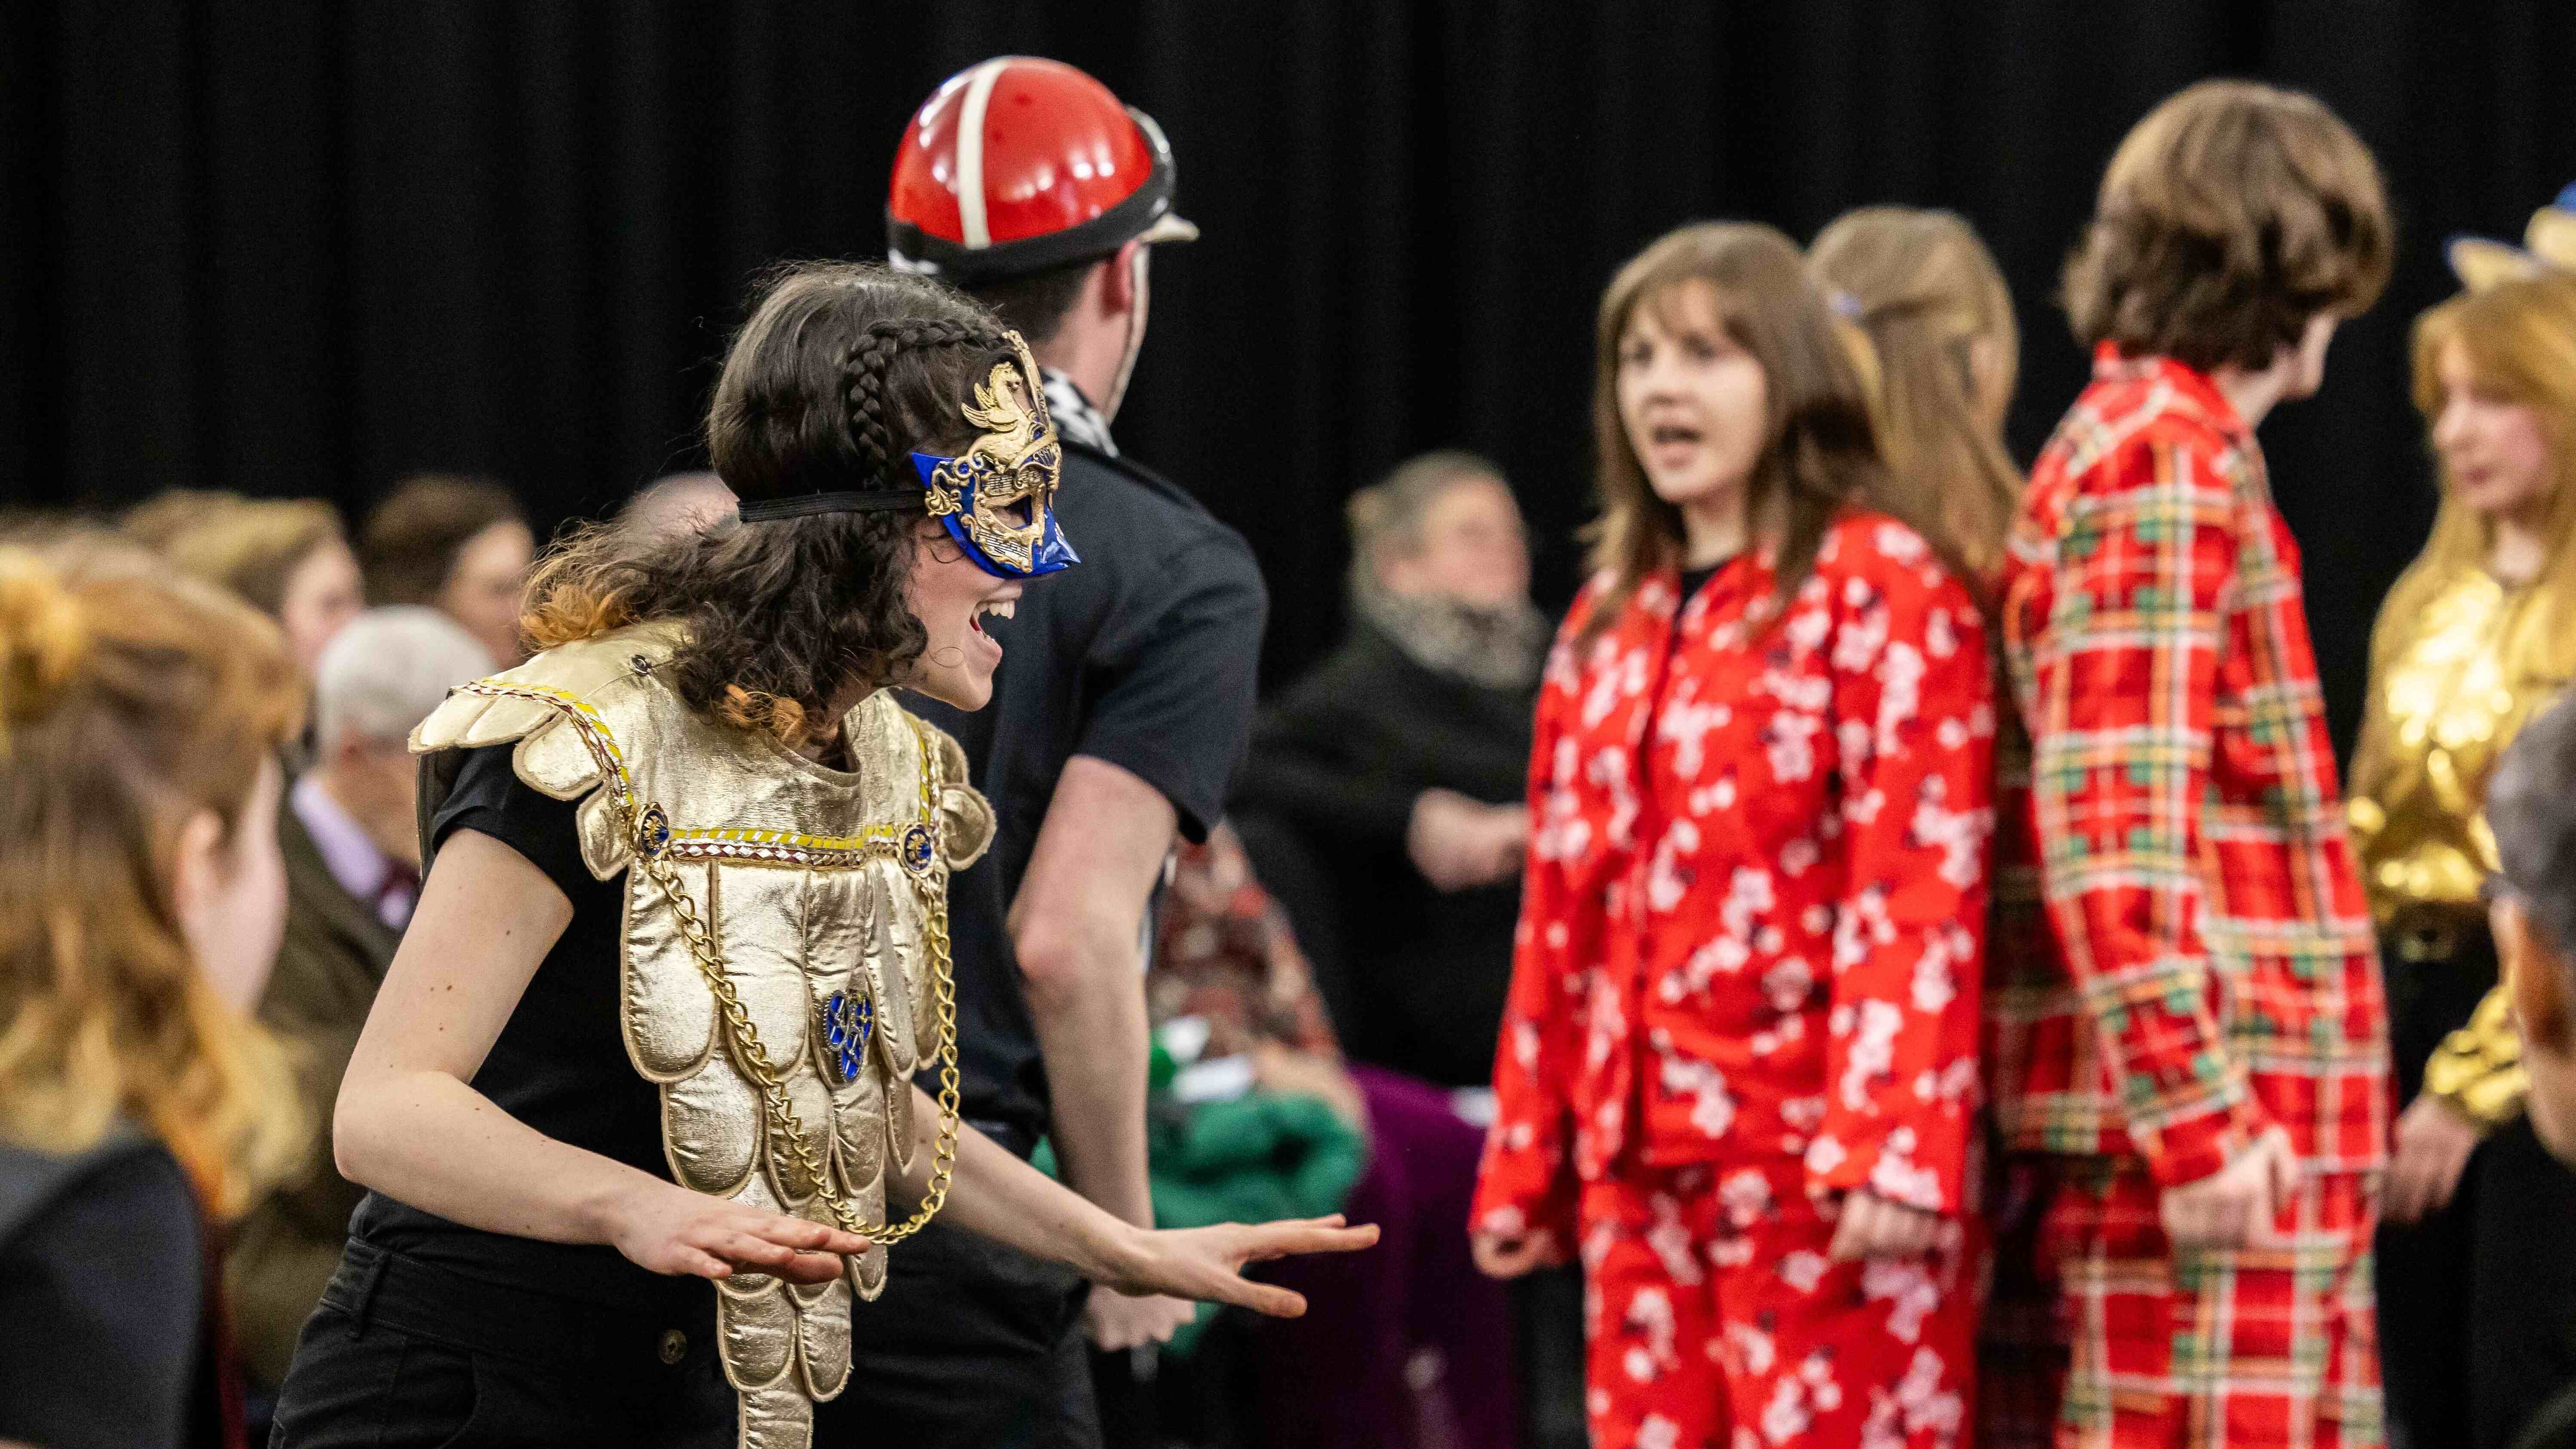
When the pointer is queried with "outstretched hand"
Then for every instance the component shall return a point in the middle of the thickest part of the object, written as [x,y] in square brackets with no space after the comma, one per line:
[1206,1264]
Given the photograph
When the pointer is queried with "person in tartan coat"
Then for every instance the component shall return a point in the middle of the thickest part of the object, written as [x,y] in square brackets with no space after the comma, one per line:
[2201,1063]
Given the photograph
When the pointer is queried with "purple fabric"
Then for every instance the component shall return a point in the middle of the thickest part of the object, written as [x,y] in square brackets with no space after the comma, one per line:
[1336,1377]
[351,855]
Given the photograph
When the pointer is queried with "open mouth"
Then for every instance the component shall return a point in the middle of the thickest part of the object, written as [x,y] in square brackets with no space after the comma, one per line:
[1665,435]
[998,608]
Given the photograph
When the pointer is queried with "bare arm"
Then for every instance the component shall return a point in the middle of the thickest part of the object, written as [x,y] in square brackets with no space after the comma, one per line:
[998,1196]
[409,1126]
[1075,930]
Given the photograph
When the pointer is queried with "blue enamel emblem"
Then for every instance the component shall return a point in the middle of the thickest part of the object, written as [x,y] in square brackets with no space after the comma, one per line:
[652,831]
[848,1021]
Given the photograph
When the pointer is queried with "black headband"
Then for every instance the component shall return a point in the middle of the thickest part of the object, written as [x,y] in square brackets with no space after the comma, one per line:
[875,500]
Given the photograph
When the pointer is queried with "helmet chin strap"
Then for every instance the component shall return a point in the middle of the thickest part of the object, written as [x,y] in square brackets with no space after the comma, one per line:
[1135,337]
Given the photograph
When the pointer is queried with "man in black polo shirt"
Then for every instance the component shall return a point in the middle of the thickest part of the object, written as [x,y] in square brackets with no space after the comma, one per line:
[1120,714]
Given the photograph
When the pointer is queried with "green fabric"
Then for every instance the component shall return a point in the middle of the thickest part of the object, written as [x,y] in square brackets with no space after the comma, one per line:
[1251,1160]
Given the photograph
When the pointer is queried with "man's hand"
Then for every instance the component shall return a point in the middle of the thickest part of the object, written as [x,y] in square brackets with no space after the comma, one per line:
[2226,1208]
[1500,1255]
[2434,1140]
[1877,1227]
[1115,1321]
[1458,843]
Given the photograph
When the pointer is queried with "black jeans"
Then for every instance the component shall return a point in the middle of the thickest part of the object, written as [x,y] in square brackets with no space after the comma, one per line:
[972,1346]
[406,1355]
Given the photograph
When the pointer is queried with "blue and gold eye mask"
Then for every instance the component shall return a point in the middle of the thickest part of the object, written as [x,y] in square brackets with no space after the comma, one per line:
[997,499]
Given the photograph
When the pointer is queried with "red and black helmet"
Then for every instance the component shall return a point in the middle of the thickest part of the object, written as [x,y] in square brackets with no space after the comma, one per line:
[1019,164]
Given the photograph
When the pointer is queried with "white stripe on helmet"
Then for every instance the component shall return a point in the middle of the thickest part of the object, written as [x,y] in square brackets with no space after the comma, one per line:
[970,153]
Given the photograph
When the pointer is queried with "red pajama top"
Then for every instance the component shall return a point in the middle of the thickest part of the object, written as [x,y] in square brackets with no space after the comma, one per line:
[2208,967]
[1752,915]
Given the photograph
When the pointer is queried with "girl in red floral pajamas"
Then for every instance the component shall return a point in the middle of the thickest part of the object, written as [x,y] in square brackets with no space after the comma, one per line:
[1739,1069]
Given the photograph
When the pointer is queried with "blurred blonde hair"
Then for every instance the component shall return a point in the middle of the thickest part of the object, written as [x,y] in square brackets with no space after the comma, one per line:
[1922,293]
[251,546]
[2520,340]
[130,701]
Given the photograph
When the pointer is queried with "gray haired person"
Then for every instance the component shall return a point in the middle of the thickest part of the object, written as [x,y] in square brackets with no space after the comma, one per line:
[352,874]
[2531,806]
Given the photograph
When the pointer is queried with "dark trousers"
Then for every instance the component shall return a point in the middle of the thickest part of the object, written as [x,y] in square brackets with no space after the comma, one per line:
[405,1355]
[972,1346]
[2477,1303]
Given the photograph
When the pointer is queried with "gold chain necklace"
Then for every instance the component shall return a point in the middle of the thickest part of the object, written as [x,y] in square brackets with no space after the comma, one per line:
[648,834]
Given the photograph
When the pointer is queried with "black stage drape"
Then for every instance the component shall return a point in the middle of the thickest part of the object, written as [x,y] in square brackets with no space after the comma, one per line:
[303,246]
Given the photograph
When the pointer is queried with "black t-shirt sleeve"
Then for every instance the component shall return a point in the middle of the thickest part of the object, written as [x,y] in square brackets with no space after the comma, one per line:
[104,1286]
[1179,667]
[489,797]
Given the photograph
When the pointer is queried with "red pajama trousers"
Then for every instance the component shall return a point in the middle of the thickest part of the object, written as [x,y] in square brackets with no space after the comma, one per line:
[1715,1321]
[2270,1346]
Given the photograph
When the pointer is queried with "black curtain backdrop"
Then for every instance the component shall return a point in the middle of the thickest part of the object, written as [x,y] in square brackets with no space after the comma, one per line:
[304,247]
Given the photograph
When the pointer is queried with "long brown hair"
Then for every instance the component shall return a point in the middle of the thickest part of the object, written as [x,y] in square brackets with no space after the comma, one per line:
[129,703]
[842,372]
[1819,454]
[1926,297]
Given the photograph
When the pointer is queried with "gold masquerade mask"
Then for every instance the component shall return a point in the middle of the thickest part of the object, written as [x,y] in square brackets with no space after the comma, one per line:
[997,499]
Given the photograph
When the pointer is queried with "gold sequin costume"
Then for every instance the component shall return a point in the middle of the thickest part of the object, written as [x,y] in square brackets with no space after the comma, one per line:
[817,900]
[2452,686]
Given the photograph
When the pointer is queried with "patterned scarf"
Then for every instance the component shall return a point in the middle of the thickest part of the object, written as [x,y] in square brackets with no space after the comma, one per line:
[1074,415]
[1496,648]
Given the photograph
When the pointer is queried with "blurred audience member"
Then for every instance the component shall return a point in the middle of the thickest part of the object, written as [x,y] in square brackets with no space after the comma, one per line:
[141,901]
[1397,769]
[1231,997]
[288,556]
[2475,1284]
[352,853]
[1939,350]
[1942,356]
[2531,806]
[677,503]
[459,545]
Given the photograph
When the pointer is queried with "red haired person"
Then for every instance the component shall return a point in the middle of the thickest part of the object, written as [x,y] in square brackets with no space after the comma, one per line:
[1738,1065]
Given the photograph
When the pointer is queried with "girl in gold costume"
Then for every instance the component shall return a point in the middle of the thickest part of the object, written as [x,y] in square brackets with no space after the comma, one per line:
[682,943]
[2476,1271]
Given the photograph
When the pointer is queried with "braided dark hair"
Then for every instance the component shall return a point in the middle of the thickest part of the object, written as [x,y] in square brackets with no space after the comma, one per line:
[866,366]
[842,371]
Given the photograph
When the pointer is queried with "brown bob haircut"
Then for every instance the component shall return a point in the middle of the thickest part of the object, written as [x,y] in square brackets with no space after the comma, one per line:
[1820,454]
[2230,216]
[413,537]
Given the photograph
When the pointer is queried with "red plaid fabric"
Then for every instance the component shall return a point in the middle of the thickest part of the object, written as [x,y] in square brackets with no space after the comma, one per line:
[2270,1346]
[2214,970]
[1713,1318]
[1751,919]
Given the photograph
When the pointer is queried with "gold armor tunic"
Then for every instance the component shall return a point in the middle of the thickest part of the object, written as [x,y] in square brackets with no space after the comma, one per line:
[816,900]
[2449,690]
